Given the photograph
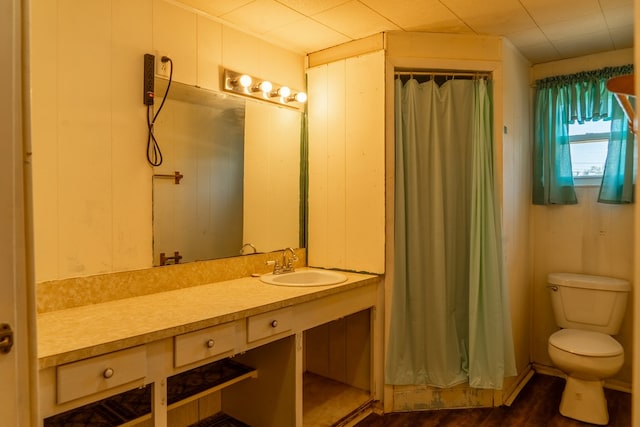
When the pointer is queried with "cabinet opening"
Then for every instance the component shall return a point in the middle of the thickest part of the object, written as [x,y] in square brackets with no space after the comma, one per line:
[261,397]
[128,408]
[337,369]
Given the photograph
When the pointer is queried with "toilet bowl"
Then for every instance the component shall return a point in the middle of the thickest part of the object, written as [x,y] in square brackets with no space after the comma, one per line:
[589,309]
[587,358]
[585,354]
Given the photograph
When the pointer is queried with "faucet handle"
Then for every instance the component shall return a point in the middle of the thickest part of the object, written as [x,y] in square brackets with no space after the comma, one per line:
[276,267]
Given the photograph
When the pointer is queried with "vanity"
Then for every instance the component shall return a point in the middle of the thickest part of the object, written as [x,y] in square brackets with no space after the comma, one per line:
[239,352]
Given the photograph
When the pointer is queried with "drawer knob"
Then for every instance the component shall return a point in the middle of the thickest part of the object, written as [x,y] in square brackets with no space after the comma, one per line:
[274,324]
[210,343]
[108,373]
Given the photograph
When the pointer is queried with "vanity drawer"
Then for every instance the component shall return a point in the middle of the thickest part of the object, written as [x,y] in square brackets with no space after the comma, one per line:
[205,343]
[88,376]
[268,324]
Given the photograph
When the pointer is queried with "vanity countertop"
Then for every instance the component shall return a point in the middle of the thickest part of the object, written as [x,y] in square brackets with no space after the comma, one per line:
[80,332]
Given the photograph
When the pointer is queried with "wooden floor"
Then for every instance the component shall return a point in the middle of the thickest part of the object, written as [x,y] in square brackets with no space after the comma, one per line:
[536,406]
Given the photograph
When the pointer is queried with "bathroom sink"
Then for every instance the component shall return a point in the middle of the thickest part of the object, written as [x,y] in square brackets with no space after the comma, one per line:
[304,278]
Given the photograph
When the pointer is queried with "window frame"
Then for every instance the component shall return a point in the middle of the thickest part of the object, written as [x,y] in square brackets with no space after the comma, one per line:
[589,180]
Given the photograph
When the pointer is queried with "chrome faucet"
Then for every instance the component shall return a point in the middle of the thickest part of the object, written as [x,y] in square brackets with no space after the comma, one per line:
[287,262]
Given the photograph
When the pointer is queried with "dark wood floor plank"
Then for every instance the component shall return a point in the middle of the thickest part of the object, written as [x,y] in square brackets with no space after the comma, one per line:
[536,406]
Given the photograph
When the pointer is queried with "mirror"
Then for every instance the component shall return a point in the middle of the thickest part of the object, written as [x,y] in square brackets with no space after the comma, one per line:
[229,183]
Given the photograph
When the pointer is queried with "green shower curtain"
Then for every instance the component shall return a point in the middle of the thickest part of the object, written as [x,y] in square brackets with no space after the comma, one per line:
[449,316]
[491,356]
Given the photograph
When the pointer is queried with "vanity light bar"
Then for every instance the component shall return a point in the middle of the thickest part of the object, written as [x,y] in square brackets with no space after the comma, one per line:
[265,90]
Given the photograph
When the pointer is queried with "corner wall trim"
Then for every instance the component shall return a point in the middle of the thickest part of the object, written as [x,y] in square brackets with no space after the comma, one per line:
[524,380]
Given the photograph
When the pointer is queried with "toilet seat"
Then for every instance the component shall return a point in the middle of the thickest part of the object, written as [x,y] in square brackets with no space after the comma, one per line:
[586,343]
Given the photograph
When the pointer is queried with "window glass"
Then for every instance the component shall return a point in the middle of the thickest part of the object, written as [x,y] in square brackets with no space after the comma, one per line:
[589,143]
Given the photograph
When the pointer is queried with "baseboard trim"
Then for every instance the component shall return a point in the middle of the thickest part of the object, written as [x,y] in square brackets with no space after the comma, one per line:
[548,370]
[525,376]
[617,385]
[357,415]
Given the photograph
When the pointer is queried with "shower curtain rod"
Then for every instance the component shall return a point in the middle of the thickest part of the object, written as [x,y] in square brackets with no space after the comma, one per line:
[483,74]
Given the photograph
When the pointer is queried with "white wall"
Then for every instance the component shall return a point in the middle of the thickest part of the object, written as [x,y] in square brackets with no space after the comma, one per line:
[92,184]
[346,164]
[516,184]
[589,237]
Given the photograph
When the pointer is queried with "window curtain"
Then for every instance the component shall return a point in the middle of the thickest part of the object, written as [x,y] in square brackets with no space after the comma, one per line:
[561,100]
[620,168]
[449,322]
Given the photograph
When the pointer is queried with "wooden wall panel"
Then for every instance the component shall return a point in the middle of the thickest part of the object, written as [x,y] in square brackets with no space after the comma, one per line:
[92,183]
[364,208]
[336,166]
[85,187]
[318,105]
[346,164]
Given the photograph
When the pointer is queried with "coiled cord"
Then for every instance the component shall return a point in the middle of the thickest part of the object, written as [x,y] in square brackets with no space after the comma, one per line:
[154,154]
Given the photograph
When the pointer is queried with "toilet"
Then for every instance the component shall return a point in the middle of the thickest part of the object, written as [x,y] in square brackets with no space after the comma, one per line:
[589,309]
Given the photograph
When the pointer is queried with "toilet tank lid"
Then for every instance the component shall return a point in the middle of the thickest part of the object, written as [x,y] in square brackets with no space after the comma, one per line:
[589,282]
[586,343]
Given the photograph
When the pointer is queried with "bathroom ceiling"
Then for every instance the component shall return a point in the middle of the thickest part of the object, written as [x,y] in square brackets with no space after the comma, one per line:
[543,30]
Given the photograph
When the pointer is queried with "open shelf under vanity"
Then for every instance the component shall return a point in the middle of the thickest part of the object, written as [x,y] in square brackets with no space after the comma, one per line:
[133,407]
[327,401]
[337,370]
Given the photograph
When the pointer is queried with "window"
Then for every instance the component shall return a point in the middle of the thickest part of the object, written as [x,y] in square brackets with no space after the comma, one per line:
[558,166]
[589,143]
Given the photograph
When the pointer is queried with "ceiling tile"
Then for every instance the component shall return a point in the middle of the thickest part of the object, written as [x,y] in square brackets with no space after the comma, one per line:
[614,4]
[540,53]
[311,7]
[261,16]
[529,37]
[622,37]
[417,15]
[551,11]
[618,17]
[216,7]
[497,17]
[305,36]
[584,44]
[355,20]
[574,27]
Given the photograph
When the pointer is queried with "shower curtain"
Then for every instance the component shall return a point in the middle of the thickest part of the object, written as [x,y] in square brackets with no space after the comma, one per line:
[450,318]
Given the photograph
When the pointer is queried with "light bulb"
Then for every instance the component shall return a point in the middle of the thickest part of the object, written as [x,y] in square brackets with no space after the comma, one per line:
[284,92]
[266,86]
[301,97]
[245,80]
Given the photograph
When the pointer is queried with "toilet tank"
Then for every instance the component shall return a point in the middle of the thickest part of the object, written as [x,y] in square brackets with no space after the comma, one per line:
[593,303]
